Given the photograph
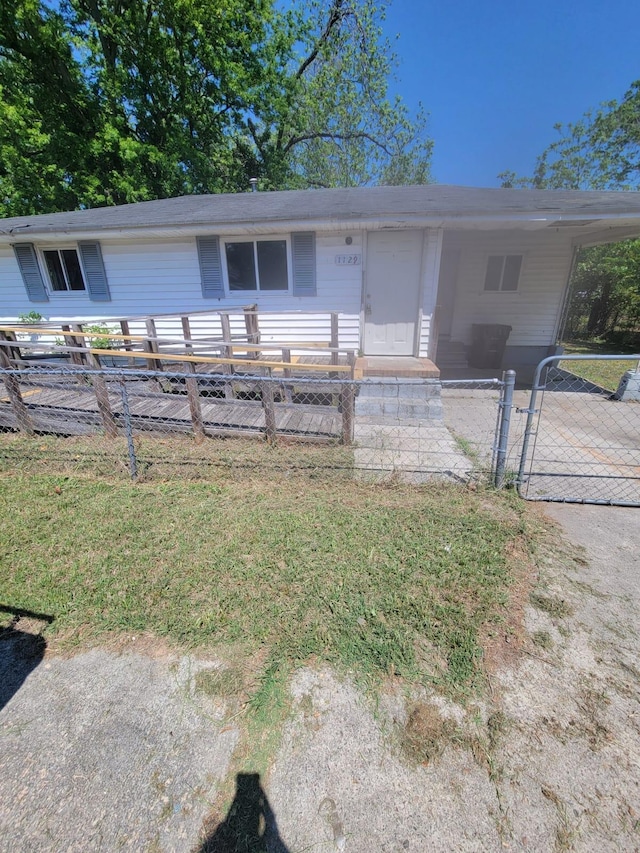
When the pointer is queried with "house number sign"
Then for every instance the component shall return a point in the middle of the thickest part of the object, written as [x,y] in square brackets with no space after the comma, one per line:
[348,260]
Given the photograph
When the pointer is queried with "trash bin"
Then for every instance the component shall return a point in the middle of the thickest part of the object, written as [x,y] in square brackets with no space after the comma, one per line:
[488,341]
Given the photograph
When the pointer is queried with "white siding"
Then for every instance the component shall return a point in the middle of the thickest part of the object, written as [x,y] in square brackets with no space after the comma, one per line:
[533,309]
[430,270]
[156,277]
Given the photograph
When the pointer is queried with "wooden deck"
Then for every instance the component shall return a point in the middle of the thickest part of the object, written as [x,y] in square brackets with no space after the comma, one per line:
[70,408]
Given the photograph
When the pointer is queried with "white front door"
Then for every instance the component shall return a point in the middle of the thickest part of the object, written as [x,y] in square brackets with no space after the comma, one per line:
[392,292]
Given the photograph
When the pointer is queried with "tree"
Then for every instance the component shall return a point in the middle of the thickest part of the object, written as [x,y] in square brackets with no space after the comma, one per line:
[601,151]
[605,292]
[112,101]
[338,127]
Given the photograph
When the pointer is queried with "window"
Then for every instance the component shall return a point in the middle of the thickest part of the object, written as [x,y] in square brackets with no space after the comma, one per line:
[257,265]
[503,272]
[65,272]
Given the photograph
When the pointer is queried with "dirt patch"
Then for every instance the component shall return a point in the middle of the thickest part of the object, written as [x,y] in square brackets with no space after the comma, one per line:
[426,734]
[68,644]
[503,643]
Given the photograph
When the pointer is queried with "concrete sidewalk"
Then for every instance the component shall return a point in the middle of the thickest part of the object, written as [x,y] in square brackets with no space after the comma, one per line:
[106,752]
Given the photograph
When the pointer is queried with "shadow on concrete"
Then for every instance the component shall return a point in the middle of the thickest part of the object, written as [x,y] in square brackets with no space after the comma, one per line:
[250,825]
[21,650]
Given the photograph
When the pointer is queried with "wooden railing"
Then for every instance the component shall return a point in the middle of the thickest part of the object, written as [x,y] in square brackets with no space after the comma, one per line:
[228,351]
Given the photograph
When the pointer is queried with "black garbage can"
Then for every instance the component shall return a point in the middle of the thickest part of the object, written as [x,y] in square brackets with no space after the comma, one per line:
[488,341]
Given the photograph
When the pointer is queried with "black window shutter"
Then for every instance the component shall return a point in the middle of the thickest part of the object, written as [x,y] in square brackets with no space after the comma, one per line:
[304,263]
[210,267]
[94,272]
[31,273]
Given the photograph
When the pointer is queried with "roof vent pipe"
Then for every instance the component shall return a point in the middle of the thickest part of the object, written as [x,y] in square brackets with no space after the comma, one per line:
[254,184]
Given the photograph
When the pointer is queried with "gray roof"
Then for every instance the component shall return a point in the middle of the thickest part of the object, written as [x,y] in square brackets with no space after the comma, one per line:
[431,200]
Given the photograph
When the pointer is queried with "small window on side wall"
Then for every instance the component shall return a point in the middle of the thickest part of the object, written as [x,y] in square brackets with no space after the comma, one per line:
[503,273]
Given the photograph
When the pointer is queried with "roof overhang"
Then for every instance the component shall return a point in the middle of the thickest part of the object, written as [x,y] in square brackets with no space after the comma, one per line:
[601,215]
[607,228]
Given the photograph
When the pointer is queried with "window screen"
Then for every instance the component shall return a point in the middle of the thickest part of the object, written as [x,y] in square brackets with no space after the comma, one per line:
[54,268]
[494,272]
[511,275]
[272,264]
[72,268]
[503,272]
[241,266]
[65,272]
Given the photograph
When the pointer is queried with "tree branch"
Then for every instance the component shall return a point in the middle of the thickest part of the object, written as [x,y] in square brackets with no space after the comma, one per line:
[335,16]
[337,136]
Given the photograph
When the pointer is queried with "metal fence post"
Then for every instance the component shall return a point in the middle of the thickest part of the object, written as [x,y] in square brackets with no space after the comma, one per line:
[505,406]
[126,412]
[531,412]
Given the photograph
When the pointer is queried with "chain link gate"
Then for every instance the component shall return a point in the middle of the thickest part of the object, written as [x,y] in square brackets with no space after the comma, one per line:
[582,442]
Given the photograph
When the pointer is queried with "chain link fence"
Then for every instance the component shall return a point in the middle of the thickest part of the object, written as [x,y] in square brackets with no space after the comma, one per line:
[570,439]
[161,424]
[582,440]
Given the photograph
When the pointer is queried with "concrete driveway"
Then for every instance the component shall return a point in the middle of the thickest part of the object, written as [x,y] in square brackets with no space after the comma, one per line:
[585,445]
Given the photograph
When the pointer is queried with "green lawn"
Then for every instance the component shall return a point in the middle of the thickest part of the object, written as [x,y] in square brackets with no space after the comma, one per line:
[606,374]
[374,579]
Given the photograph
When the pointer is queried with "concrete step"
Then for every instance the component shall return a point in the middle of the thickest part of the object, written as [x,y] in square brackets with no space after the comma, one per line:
[383,407]
[417,400]
[451,355]
[407,389]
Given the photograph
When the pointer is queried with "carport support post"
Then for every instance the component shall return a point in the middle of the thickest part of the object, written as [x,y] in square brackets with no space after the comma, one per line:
[506,404]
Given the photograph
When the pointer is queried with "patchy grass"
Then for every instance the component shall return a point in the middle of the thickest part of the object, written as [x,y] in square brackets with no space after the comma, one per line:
[552,605]
[426,734]
[229,682]
[542,639]
[606,374]
[289,568]
[165,457]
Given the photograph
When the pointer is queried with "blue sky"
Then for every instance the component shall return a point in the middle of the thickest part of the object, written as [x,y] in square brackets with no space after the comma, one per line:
[495,77]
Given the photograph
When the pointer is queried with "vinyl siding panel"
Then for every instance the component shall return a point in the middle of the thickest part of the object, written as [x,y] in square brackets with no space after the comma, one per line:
[156,277]
[533,309]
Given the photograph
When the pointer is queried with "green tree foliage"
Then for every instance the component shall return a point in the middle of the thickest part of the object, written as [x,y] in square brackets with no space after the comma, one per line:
[113,101]
[339,128]
[601,151]
[605,292]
